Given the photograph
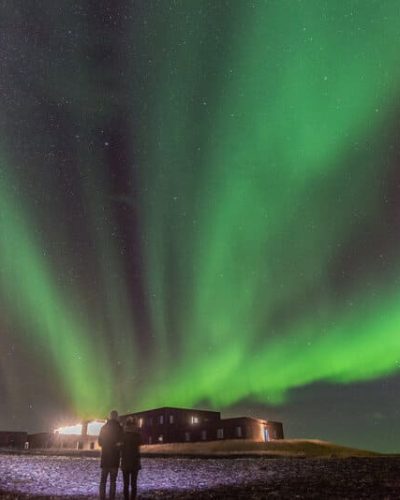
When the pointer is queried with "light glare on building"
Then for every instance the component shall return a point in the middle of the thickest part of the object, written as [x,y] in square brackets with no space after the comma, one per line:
[70,430]
[89,428]
[94,427]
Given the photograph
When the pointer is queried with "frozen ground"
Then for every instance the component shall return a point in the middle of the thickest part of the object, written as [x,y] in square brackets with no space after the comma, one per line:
[248,478]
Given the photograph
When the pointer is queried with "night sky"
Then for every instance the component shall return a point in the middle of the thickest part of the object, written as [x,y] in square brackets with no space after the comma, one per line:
[200,207]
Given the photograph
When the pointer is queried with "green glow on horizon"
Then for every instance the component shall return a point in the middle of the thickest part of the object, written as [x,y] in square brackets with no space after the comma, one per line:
[261,143]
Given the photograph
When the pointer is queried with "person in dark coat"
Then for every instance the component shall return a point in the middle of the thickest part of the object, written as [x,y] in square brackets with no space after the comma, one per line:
[110,439]
[130,457]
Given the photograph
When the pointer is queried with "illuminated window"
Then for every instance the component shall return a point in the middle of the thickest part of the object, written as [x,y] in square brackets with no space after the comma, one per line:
[141,420]
[187,436]
[171,419]
[239,432]
[203,435]
[161,419]
[160,438]
[220,433]
[194,420]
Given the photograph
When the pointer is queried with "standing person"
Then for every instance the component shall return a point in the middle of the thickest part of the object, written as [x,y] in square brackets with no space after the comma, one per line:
[130,457]
[110,441]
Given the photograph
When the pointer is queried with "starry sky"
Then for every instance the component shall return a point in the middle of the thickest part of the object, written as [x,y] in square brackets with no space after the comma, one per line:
[200,207]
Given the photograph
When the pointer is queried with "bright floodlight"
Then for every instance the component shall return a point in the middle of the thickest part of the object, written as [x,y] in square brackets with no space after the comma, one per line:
[94,428]
[70,429]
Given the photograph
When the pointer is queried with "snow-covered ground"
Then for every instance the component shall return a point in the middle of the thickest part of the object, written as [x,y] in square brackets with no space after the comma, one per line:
[212,478]
[49,475]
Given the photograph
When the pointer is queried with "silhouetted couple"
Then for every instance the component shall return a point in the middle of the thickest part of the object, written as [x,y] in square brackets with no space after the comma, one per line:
[119,446]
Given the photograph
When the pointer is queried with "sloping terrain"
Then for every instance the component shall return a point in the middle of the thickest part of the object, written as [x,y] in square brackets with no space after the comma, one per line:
[284,448]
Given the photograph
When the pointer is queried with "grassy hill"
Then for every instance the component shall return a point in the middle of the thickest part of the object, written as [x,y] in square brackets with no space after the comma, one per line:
[285,448]
[301,448]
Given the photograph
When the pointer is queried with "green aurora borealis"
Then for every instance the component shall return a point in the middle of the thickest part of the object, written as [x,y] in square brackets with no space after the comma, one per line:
[199,200]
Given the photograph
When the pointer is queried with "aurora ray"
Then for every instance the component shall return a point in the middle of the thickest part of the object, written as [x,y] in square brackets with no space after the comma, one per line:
[199,199]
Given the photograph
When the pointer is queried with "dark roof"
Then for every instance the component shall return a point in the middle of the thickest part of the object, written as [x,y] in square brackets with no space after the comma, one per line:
[13,432]
[253,419]
[163,408]
[43,434]
[260,420]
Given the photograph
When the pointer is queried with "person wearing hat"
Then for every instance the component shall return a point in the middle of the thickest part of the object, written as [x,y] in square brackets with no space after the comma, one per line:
[110,441]
[130,457]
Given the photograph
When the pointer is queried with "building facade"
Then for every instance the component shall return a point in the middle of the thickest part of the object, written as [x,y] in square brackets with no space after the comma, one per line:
[179,425]
[165,425]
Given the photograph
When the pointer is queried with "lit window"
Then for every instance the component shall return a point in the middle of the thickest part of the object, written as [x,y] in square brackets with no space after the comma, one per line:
[203,435]
[161,419]
[220,433]
[187,436]
[171,419]
[160,438]
[140,422]
[239,433]
[194,420]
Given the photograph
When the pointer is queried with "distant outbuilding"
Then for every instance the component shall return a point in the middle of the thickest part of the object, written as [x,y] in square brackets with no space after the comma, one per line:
[13,440]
